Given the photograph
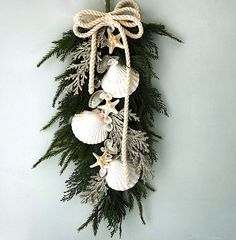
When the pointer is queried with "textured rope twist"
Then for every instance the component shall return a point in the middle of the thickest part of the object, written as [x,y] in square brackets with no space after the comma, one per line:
[125,15]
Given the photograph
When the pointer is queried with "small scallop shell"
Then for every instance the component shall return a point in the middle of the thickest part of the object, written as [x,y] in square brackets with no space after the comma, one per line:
[114,81]
[89,127]
[116,176]
[95,99]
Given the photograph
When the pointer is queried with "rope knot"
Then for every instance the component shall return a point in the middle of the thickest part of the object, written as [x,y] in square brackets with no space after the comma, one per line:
[109,19]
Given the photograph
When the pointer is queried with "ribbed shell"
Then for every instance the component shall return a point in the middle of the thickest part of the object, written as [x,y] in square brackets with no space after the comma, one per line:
[89,127]
[115,81]
[116,176]
[95,99]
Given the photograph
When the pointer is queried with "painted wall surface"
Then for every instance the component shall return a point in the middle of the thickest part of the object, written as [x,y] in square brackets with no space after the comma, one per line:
[195,176]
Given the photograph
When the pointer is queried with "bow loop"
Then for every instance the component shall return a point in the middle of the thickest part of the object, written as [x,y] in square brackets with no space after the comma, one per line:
[131,3]
[125,13]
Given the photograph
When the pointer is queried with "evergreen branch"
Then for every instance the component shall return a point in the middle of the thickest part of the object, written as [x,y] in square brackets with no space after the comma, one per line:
[160,29]
[149,187]
[140,207]
[91,218]
[130,200]
[50,54]
[62,47]
[95,191]
[51,122]
[154,134]
[66,163]
[48,155]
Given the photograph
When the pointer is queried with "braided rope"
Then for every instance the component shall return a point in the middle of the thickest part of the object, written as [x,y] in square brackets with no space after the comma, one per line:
[126,104]
[125,15]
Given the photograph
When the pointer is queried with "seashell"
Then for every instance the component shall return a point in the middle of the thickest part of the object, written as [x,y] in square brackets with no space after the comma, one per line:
[90,127]
[106,96]
[114,81]
[116,176]
[102,66]
[109,125]
[95,99]
[108,145]
[97,83]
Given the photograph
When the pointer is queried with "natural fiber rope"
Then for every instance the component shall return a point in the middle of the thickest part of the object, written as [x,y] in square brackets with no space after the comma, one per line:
[125,15]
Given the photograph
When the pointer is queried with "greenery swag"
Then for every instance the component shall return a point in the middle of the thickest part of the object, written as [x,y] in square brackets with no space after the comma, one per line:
[72,98]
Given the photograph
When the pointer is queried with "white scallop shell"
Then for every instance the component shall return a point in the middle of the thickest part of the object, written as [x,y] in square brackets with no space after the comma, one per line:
[115,80]
[116,176]
[89,127]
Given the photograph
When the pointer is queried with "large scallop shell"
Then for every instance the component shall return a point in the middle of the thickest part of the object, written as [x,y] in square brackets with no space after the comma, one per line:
[115,80]
[90,127]
[116,176]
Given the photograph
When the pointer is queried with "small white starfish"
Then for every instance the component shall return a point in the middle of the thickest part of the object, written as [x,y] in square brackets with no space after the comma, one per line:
[103,162]
[114,41]
[109,107]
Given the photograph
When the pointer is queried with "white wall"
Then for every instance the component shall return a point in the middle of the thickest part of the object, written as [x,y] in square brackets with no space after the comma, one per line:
[195,176]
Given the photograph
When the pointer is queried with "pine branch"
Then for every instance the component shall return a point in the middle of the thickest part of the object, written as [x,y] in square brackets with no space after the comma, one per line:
[50,54]
[62,47]
[91,218]
[140,207]
[51,122]
[160,29]
[149,187]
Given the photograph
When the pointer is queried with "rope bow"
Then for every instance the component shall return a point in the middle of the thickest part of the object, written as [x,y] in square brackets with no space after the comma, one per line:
[125,15]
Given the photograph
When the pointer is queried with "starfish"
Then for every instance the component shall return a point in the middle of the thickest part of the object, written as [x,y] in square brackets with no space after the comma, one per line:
[114,41]
[102,161]
[109,107]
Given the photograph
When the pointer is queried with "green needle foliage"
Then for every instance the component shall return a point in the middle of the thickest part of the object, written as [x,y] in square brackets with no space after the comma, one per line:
[145,101]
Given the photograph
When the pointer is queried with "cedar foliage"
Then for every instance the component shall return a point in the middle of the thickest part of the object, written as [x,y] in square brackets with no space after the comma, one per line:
[145,101]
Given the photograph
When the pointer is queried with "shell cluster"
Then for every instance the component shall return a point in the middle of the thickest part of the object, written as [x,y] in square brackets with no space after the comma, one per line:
[92,127]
